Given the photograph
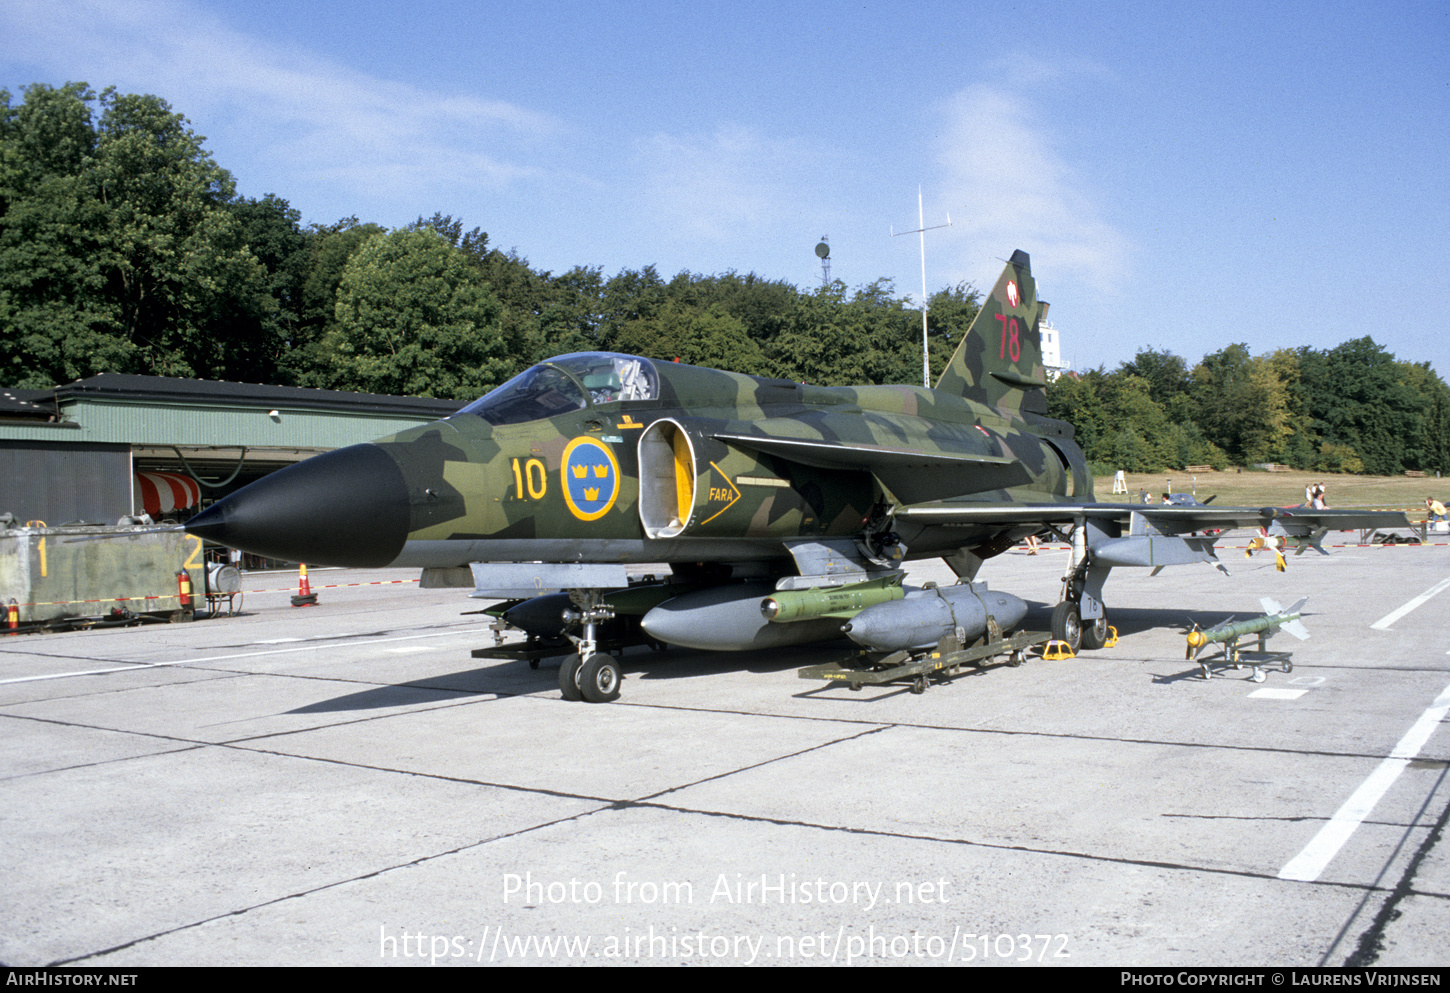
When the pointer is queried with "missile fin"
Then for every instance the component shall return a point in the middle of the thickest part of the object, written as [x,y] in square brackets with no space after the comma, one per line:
[1295,628]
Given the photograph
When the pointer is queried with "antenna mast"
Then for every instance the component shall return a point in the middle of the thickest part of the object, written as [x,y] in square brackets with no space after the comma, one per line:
[921,230]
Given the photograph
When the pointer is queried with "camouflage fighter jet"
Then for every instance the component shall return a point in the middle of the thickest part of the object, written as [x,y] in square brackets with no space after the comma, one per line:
[784,510]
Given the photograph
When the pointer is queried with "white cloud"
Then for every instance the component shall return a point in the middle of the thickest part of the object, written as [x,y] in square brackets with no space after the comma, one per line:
[724,186]
[1015,190]
[317,119]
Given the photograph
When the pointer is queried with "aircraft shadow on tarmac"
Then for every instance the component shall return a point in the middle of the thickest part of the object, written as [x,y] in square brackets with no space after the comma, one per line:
[1136,620]
[515,678]
[503,677]
[436,690]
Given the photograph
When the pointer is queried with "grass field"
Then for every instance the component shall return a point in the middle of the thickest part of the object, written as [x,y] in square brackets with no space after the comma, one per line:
[1286,489]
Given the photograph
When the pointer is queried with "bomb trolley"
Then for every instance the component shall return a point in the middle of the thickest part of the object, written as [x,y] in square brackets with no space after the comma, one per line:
[1233,657]
[1228,634]
[941,664]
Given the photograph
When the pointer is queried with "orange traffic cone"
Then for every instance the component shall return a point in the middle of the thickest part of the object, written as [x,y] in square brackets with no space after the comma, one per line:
[305,597]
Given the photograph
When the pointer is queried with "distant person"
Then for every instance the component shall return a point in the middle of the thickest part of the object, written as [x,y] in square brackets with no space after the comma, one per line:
[1436,509]
[1032,544]
[1316,499]
[1167,498]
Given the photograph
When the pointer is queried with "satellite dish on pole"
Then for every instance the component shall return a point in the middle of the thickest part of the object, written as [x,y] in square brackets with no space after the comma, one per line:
[823,252]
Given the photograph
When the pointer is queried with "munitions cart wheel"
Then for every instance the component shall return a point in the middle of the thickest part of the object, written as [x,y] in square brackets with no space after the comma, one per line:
[856,687]
[1067,625]
[918,685]
[533,663]
[1288,666]
[1095,634]
[1015,659]
[569,678]
[599,678]
[1258,676]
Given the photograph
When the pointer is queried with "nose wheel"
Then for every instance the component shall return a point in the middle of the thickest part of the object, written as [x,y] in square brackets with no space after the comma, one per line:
[569,678]
[596,679]
[589,674]
[599,679]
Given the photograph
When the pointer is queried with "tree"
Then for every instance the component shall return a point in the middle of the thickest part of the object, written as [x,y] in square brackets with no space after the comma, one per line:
[1359,398]
[1429,452]
[710,338]
[950,312]
[415,318]
[173,255]
[1074,398]
[829,341]
[117,248]
[305,359]
[1242,404]
[57,324]
[1168,379]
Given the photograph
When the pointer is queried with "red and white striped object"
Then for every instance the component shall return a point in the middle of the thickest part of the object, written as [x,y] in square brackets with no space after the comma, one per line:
[159,493]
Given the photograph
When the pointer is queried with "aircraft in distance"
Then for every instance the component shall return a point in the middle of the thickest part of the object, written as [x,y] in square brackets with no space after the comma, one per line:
[783,509]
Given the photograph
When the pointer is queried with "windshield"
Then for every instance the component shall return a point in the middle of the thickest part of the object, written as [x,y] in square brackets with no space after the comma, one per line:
[553,387]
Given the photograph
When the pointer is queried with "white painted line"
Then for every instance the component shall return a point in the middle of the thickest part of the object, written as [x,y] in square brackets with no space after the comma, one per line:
[141,666]
[1384,622]
[1273,693]
[1308,864]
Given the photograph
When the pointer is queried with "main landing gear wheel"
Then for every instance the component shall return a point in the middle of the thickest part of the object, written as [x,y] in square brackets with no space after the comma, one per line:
[569,678]
[1095,633]
[599,679]
[1067,625]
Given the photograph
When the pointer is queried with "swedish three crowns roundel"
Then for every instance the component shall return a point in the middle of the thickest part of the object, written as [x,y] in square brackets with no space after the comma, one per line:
[591,478]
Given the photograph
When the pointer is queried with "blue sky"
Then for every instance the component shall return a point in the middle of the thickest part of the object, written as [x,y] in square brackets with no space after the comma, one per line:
[1184,175]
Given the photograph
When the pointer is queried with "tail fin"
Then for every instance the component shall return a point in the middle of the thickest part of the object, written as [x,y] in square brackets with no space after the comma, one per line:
[999,361]
[1295,626]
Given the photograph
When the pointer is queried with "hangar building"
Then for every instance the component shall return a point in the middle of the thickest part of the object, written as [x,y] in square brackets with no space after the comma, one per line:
[115,445]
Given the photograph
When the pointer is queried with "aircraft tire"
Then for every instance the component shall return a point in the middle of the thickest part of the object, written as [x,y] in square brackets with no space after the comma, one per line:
[1067,625]
[1095,635]
[599,679]
[569,678]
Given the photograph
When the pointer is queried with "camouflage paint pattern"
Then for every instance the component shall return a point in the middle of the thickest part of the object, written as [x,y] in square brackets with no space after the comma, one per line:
[602,458]
[576,476]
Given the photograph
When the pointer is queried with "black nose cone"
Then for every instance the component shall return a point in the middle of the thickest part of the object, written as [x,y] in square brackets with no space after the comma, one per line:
[348,507]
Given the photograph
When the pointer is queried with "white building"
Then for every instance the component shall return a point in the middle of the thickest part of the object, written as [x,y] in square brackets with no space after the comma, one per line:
[1052,350]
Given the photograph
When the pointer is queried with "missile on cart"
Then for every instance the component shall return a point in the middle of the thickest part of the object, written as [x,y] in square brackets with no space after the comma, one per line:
[844,602]
[1275,618]
[924,617]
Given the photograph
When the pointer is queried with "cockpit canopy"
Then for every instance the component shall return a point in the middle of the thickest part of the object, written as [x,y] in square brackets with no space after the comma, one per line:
[568,382]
